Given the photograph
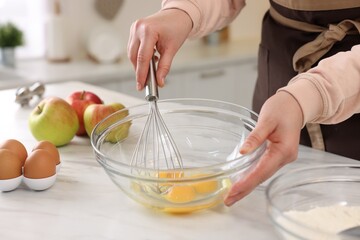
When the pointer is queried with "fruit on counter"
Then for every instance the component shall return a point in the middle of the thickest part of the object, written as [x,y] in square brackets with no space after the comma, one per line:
[54,120]
[79,101]
[10,165]
[97,112]
[85,95]
[39,164]
[118,133]
[51,148]
[16,147]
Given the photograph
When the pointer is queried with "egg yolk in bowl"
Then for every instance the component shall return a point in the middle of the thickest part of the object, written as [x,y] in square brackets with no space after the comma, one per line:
[187,196]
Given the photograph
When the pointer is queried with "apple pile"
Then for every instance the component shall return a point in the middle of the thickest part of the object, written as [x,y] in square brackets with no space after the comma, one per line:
[58,121]
[79,101]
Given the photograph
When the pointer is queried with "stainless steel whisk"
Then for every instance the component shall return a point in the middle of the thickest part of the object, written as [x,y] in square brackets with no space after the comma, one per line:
[155,149]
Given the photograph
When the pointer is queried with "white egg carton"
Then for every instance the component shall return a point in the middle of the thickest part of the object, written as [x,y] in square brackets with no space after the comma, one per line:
[34,184]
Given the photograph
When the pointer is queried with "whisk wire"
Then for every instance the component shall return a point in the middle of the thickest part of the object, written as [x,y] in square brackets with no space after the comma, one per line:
[140,149]
[155,149]
[173,160]
[156,152]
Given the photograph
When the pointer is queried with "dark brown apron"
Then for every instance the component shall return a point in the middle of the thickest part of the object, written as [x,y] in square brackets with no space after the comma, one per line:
[280,45]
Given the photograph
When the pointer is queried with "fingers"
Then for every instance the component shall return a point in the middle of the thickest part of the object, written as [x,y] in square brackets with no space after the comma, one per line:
[279,124]
[132,51]
[144,56]
[140,51]
[165,30]
[276,155]
[133,45]
[256,137]
[163,67]
[264,170]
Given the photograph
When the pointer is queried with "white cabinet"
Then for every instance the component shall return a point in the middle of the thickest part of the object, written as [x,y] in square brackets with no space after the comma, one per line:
[231,81]
[123,85]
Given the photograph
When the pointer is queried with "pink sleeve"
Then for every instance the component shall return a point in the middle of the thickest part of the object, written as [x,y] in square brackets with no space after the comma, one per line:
[330,92]
[207,15]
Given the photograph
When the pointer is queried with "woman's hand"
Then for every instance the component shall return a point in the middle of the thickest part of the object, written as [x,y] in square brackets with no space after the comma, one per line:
[280,122]
[166,30]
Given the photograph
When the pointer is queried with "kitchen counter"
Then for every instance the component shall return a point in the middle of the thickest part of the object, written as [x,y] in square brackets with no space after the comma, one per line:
[84,204]
[192,56]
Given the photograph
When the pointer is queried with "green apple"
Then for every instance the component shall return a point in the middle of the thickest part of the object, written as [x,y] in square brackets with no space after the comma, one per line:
[96,112]
[54,120]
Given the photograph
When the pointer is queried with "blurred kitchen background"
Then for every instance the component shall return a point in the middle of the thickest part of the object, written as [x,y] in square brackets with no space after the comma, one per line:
[85,40]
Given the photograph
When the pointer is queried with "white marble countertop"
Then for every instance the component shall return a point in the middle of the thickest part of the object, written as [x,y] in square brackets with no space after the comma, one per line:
[85,204]
[190,57]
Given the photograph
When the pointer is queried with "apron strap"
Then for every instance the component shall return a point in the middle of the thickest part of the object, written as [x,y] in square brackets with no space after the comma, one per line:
[316,137]
[319,5]
[311,52]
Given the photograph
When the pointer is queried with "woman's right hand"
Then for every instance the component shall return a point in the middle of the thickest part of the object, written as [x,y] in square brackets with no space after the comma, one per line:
[166,30]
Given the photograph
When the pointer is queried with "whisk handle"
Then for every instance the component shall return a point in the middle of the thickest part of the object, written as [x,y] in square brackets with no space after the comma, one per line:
[151,87]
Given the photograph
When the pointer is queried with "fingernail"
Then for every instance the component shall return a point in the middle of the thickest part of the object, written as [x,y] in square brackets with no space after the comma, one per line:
[162,82]
[138,86]
[245,148]
[229,202]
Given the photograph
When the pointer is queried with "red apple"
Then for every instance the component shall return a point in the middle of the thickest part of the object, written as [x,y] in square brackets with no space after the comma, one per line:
[97,112]
[80,100]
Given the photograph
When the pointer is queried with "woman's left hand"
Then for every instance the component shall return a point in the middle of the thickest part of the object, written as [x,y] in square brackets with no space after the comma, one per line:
[280,122]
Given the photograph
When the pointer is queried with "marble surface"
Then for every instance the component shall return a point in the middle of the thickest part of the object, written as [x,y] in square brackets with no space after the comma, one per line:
[192,56]
[85,204]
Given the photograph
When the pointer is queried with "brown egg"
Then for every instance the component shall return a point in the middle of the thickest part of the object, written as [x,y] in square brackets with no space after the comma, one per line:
[51,148]
[39,164]
[10,165]
[16,147]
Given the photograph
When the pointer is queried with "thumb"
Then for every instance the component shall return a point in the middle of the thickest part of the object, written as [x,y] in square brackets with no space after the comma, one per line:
[256,137]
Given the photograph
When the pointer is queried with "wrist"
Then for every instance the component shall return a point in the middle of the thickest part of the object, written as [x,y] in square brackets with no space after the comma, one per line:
[181,14]
[189,8]
[305,90]
[292,106]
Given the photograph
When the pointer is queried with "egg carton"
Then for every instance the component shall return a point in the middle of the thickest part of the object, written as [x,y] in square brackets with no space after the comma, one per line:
[39,184]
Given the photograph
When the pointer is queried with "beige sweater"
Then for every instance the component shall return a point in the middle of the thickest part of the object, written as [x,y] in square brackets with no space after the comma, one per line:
[328,93]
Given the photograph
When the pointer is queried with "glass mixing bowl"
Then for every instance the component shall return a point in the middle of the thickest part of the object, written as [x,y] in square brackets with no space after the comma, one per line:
[207,133]
[315,203]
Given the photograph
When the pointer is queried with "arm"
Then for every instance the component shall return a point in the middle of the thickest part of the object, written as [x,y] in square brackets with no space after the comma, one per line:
[328,93]
[170,27]
[207,16]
